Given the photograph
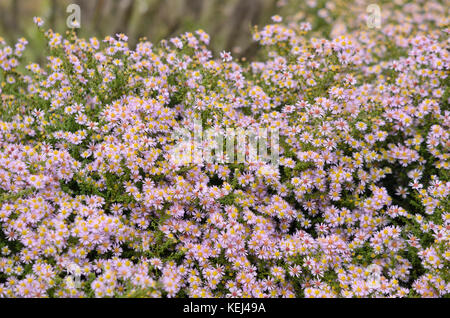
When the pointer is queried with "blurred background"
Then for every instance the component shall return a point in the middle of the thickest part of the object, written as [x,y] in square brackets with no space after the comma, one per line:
[227,21]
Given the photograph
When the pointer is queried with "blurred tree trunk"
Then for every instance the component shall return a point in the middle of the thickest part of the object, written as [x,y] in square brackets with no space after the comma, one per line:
[147,18]
[15,15]
[195,7]
[54,11]
[88,8]
[3,21]
[98,16]
[244,15]
[126,8]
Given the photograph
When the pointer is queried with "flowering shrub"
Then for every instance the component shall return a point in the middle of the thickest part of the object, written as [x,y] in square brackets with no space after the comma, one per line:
[91,204]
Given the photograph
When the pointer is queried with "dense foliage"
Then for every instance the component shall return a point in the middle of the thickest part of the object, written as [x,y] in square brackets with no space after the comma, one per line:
[92,206]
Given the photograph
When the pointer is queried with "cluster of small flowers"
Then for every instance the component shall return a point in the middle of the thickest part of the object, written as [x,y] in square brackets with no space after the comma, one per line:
[358,206]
